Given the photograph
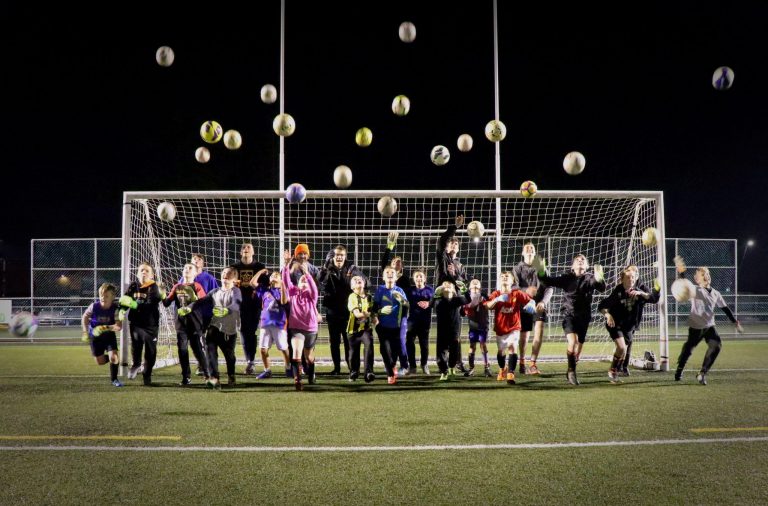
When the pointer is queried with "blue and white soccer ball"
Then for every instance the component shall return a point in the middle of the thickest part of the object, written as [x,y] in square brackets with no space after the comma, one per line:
[23,324]
[440,155]
[722,79]
[295,193]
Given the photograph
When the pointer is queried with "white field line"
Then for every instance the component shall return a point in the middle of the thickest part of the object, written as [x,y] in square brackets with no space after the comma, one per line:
[362,449]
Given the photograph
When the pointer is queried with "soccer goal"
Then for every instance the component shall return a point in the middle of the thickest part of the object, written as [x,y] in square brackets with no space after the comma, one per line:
[605,226]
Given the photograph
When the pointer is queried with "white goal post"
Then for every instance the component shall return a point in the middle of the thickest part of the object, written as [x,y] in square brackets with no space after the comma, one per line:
[606,226]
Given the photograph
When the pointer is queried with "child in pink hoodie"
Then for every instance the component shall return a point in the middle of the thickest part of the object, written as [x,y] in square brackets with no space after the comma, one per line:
[302,319]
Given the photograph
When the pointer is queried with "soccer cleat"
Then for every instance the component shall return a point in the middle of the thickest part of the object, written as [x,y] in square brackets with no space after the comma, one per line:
[297,384]
[116,383]
[623,372]
[502,374]
[402,372]
[133,372]
[391,380]
[470,372]
[702,378]
[199,372]
[452,372]
[510,378]
[678,375]
[211,383]
[249,369]
[613,376]
[412,371]
[353,376]
[265,375]
[533,370]
[185,382]
[572,380]
[425,370]
[369,377]
[231,380]
[288,372]
[147,382]
[335,372]
[522,369]
[487,372]
[460,367]
[444,376]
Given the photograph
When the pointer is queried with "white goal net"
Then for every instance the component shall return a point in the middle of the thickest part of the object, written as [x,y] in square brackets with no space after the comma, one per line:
[605,226]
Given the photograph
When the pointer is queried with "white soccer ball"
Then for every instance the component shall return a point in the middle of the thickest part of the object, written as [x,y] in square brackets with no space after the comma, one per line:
[387,206]
[268,94]
[164,56]
[401,105]
[649,237]
[166,211]
[464,143]
[342,177]
[232,139]
[23,324]
[284,125]
[475,229]
[683,290]
[722,79]
[495,131]
[574,163]
[440,155]
[202,154]
[407,31]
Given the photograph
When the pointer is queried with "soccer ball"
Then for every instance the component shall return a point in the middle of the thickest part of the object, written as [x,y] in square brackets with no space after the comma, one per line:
[283,125]
[23,324]
[401,105]
[722,79]
[342,176]
[202,154]
[683,290]
[364,137]
[495,130]
[232,139]
[166,211]
[407,31]
[574,163]
[211,132]
[464,143]
[164,56]
[268,94]
[649,237]
[475,229]
[528,189]
[440,155]
[387,206]
[295,193]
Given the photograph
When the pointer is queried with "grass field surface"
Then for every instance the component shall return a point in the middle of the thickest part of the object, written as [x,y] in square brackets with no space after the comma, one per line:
[69,437]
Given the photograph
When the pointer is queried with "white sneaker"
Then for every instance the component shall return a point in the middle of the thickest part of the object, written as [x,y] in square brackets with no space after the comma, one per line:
[425,370]
[132,372]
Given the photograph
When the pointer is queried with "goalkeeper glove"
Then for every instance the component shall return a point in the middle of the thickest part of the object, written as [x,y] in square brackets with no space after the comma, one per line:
[97,331]
[656,285]
[163,295]
[127,301]
[84,338]
[540,265]
[530,308]
[385,310]
[121,315]
[461,286]
[184,311]
[392,240]
[599,274]
[220,311]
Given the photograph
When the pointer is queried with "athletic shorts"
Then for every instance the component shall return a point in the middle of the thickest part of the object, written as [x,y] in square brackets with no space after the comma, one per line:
[507,340]
[107,341]
[527,320]
[310,338]
[616,332]
[273,335]
[478,336]
[578,326]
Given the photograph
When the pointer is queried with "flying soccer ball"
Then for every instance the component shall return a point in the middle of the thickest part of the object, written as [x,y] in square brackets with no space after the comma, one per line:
[295,193]
[164,56]
[364,137]
[574,163]
[211,132]
[475,230]
[401,105]
[440,155]
[387,206]
[649,237]
[284,125]
[23,324]
[232,139]
[342,177]
[683,290]
[464,143]
[268,94]
[166,211]
[202,154]
[528,189]
[495,130]
[407,31]
[722,79]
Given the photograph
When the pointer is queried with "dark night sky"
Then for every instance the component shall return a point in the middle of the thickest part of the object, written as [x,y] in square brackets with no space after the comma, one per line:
[89,113]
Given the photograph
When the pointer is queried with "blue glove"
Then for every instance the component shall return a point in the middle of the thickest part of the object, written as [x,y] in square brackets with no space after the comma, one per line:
[220,312]
[127,301]
[530,308]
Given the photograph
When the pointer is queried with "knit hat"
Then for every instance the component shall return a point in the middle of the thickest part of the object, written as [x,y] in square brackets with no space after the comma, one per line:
[301,248]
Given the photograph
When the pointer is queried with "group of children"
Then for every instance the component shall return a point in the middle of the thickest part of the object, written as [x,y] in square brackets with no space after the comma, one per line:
[282,307]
